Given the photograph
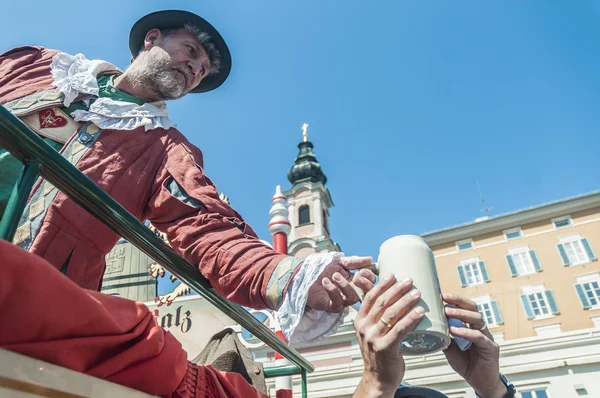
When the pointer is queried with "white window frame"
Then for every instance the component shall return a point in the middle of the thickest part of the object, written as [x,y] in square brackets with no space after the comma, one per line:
[570,240]
[533,289]
[519,251]
[590,278]
[475,263]
[532,390]
[483,300]
[462,242]
[512,231]
[563,218]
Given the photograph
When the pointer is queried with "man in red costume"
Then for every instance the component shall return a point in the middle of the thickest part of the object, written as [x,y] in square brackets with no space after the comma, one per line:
[114,127]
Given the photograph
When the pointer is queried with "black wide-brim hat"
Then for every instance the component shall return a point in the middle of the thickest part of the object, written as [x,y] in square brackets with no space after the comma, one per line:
[172,19]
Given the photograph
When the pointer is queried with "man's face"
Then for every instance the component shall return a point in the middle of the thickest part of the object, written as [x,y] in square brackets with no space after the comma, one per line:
[171,66]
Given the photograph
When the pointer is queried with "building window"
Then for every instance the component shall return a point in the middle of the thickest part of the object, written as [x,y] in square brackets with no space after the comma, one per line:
[464,244]
[537,393]
[580,389]
[538,302]
[575,251]
[489,310]
[325,221]
[588,291]
[472,272]
[522,261]
[304,215]
[561,222]
[513,233]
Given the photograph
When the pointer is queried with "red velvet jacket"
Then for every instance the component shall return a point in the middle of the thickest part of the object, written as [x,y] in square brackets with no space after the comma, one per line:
[158,176]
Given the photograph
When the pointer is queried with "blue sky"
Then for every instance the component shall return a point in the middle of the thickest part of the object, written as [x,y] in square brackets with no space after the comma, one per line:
[410,103]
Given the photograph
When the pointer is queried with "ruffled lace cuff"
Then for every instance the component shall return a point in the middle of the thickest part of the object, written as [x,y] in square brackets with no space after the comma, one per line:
[298,323]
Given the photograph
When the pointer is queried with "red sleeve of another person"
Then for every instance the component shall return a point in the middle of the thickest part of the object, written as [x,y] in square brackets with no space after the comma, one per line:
[48,317]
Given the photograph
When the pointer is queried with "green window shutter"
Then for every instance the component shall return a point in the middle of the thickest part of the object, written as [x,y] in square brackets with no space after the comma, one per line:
[527,306]
[551,302]
[536,261]
[461,275]
[484,271]
[585,303]
[511,265]
[497,314]
[563,255]
[588,249]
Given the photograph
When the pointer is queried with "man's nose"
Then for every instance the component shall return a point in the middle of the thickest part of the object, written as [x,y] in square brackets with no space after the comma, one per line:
[194,67]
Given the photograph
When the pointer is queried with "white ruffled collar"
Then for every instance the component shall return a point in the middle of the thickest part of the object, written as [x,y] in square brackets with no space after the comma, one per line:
[76,75]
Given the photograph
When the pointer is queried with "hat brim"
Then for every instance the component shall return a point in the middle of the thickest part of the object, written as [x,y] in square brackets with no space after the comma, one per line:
[172,19]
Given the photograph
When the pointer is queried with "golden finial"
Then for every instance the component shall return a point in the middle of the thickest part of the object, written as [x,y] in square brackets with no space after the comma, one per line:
[305,132]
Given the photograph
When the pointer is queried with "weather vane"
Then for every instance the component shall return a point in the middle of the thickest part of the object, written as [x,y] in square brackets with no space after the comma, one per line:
[305,131]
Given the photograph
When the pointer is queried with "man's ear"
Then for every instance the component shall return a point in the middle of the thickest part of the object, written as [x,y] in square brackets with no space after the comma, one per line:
[153,37]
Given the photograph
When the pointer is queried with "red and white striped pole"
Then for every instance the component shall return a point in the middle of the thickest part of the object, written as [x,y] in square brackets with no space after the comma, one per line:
[280,227]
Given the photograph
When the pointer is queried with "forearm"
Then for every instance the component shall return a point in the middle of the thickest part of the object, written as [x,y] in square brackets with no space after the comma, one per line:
[498,391]
[369,387]
[240,269]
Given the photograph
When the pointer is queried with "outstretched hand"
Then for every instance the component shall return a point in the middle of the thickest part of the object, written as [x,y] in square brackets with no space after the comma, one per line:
[480,364]
[332,291]
[387,315]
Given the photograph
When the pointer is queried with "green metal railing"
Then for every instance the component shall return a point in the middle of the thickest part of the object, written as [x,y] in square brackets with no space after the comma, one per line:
[40,158]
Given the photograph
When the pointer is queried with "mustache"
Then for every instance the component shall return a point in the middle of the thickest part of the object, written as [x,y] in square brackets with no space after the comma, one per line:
[185,72]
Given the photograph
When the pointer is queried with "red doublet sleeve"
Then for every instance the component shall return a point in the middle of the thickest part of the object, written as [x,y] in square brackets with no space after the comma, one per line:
[185,205]
[48,317]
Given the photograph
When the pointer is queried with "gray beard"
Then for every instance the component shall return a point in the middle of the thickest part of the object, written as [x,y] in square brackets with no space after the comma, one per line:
[151,72]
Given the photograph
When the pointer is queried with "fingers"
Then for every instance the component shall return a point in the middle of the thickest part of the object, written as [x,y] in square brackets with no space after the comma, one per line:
[403,327]
[335,297]
[460,302]
[364,283]
[389,298]
[348,292]
[394,313]
[361,285]
[368,274]
[355,262]
[466,311]
[354,291]
[385,283]
[479,339]
[473,318]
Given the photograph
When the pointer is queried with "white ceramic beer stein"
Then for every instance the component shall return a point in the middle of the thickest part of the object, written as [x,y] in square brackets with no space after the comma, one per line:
[410,256]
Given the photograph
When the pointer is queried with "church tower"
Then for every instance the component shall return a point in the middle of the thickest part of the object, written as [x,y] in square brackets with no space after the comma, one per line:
[309,202]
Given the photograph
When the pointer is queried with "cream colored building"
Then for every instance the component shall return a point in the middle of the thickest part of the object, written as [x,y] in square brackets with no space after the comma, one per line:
[533,272]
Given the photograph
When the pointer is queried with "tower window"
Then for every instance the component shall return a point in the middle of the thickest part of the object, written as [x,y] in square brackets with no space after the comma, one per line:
[304,215]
